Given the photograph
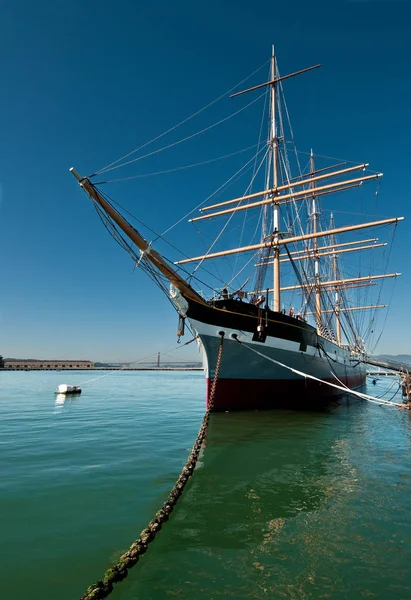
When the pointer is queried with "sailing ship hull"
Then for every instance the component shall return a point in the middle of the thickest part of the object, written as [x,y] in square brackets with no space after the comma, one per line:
[249,379]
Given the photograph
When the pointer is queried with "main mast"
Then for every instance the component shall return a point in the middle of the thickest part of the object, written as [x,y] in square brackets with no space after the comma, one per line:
[337,293]
[276,207]
[309,187]
[314,215]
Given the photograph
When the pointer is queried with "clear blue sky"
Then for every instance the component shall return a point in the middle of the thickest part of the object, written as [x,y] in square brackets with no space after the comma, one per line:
[85,82]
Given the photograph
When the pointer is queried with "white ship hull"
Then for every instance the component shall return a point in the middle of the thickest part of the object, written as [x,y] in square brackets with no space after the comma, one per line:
[249,381]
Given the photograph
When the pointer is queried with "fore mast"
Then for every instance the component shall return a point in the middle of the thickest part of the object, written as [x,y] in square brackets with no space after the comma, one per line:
[276,206]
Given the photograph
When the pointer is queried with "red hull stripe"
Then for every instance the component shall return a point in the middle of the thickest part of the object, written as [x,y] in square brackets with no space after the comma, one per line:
[249,394]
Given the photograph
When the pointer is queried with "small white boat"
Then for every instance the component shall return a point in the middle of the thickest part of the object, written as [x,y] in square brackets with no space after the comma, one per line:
[63,388]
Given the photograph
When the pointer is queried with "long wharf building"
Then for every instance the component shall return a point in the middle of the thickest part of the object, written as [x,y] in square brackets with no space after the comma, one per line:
[49,365]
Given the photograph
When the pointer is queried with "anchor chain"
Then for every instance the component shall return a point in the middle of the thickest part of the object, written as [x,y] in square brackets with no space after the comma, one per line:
[103,588]
[216,373]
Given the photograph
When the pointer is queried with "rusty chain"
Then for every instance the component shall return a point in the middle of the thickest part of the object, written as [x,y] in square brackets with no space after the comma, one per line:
[210,404]
[102,588]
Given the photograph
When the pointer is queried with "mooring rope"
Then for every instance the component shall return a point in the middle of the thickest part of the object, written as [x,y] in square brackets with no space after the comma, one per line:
[104,587]
[121,371]
[341,387]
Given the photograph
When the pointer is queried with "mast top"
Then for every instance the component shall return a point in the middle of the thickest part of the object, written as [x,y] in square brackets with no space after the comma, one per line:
[275,80]
[76,175]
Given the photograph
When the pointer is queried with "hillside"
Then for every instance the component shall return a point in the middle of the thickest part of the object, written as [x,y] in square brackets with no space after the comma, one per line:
[400,358]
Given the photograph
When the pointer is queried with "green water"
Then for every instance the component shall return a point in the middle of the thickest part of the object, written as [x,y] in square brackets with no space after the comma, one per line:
[282,504]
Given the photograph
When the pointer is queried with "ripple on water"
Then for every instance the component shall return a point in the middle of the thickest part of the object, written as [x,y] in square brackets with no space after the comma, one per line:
[282,504]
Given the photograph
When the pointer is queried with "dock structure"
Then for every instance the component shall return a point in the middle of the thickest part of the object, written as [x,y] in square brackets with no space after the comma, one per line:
[382,373]
[389,365]
[406,386]
[393,368]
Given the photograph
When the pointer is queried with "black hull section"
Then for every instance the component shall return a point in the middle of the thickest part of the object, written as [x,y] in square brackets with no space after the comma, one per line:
[265,369]
[233,314]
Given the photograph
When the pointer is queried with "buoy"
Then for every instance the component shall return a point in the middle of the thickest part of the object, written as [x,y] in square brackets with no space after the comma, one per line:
[63,388]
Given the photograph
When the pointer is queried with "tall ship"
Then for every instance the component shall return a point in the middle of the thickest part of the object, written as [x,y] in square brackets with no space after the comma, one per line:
[268,300]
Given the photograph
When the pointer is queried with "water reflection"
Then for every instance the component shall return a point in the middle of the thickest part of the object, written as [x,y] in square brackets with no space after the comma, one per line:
[257,469]
[63,401]
[60,399]
[243,526]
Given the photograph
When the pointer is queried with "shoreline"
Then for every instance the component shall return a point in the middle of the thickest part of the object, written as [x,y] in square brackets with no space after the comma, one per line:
[110,369]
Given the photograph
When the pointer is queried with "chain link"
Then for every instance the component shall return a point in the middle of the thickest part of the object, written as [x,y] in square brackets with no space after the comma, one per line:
[103,588]
[216,374]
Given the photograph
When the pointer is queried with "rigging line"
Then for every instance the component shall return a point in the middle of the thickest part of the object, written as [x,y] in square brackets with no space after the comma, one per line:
[210,196]
[254,173]
[199,164]
[181,122]
[217,274]
[361,315]
[297,273]
[285,158]
[156,353]
[261,124]
[265,217]
[345,314]
[342,387]
[116,235]
[95,378]
[328,294]
[198,231]
[386,317]
[290,128]
[253,256]
[287,171]
[249,188]
[146,266]
[395,381]
[225,225]
[331,157]
[112,201]
[242,269]
[392,289]
[395,393]
[189,137]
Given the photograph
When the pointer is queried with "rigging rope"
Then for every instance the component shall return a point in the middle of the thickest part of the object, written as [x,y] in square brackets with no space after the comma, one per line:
[190,166]
[139,362]
[392,289]
[139,259]
[250,187]
[106,168]
[228,220]
[341,387]
[189,137]
[219,189]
